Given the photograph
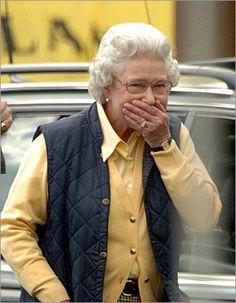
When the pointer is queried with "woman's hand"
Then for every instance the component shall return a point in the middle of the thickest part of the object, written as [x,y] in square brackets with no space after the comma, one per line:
[6,117]
[151,121]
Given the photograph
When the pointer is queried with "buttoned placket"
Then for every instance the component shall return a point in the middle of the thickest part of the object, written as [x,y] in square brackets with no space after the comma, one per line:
[132,186]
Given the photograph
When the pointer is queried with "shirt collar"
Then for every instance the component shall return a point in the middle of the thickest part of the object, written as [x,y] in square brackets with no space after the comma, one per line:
[110,137]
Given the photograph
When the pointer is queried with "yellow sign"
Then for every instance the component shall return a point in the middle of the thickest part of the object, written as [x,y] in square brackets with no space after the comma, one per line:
[70,31]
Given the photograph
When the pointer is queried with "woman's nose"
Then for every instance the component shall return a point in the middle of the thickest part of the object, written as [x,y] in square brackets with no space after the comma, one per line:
[149,96]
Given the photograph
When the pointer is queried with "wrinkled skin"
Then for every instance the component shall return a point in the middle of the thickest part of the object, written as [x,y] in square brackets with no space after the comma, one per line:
[127,111]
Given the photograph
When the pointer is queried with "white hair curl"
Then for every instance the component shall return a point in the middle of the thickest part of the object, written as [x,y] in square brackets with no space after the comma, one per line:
[122,42]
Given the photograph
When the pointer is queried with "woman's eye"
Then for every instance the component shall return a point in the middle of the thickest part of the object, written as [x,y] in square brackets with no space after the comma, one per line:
[137,84]
[159,85]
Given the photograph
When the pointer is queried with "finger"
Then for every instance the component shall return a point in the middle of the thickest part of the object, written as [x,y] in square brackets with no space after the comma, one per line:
[135,112]
[139,115]
[3,105]
[5,125]
[8,121]
[5,113]
[132,123]
[136,118]
[142,108]
[160,106]
[151,108]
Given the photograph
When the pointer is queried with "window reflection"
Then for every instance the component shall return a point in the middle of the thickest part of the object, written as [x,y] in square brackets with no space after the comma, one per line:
[214,251]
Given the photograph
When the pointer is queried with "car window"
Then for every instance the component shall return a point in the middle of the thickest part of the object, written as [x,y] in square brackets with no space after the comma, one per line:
[14,145]
[214,251]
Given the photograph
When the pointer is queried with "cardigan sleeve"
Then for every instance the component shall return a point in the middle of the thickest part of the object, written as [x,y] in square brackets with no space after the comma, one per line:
[24,210]
[189,185]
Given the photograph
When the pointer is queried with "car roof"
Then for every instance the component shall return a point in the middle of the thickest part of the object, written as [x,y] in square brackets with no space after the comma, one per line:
[200,86]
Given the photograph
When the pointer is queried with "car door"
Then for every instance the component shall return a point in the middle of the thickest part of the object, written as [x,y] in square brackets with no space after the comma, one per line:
[208,259]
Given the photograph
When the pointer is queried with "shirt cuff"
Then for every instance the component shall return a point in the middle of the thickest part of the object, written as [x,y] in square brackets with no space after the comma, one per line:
[166,159]
[54,292]
[41,282]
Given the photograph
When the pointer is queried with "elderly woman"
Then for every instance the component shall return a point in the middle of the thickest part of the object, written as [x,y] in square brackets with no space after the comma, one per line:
[101,201]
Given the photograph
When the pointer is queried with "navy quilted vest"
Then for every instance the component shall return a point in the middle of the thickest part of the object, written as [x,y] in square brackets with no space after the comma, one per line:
[75,236]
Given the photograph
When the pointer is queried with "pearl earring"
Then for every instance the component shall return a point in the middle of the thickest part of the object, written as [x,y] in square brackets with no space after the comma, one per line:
[107,100]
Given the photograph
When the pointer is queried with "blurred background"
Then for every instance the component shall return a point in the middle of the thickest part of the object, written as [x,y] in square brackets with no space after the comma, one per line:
[64,31]
[60,31]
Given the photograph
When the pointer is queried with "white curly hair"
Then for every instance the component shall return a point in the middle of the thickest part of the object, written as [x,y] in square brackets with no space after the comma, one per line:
[124,41]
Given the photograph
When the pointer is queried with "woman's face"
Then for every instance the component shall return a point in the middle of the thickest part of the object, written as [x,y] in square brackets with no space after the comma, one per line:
[142,71]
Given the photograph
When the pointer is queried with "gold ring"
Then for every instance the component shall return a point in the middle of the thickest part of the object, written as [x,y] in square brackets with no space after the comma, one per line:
[143,124]
[3,126]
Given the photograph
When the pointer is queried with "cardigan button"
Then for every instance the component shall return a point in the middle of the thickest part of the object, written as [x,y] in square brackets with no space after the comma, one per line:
[132,219]
[105,201]
[103,254]
[133,251]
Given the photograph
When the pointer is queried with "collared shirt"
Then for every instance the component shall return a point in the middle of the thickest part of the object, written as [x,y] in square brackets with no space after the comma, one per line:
[186,179]
[129,253]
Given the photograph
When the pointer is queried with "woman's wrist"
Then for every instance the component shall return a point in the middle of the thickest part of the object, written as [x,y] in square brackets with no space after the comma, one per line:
[165,145]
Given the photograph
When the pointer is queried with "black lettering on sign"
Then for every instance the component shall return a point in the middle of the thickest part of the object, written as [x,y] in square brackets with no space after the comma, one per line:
[10,41]
[96,35]
[58,31]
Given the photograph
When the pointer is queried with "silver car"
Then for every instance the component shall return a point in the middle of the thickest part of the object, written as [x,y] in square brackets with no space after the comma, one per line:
[204,100]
